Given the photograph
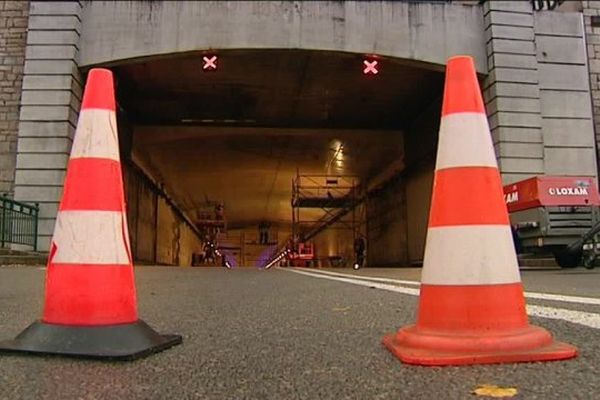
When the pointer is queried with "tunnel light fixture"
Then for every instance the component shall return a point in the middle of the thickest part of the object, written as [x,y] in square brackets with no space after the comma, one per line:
[370,66]
[210,63]
[337,158]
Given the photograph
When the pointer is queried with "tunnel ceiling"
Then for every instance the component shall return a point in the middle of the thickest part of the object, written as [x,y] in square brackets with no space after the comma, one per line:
[276,88]
[252,172]
[240,134]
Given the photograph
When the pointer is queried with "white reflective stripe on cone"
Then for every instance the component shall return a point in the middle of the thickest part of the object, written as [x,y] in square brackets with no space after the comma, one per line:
[96,135]
[464,141]
[89,237]
[470,255]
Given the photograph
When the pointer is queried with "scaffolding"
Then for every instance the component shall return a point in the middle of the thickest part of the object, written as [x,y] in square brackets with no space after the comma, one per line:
[335,202]
[211,223]
[210,219]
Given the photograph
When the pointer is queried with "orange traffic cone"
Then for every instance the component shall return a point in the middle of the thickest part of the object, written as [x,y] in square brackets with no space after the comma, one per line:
[471,306]
[91,308]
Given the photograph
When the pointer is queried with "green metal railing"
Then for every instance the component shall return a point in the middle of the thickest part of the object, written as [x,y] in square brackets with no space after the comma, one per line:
[18,223]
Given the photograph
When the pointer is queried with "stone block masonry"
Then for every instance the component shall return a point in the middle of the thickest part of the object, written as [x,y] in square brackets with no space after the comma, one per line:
[13,37]
[567,124]
[591,9]
[537,92]
[51,94]
[511,90]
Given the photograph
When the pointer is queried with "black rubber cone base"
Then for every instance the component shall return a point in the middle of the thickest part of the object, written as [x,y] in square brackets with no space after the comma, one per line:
[118,342]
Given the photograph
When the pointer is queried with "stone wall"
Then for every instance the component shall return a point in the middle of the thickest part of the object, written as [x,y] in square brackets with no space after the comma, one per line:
[49,107]
[536,93]
[592,9]
[13,35]
[511,90]
[566,109]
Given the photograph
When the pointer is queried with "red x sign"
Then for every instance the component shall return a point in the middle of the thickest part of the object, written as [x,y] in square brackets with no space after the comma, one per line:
[370,67]
[210,63]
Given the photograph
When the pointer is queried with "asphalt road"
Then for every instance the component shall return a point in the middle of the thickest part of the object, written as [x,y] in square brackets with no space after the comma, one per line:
[251,334]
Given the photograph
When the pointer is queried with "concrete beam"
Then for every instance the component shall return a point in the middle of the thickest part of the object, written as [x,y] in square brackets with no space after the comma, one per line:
[421,31]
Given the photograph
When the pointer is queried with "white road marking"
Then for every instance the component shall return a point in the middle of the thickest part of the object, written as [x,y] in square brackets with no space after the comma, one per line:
[591,320]
[371,278]
[391,288]
[563,298]
[530,295]
[577,317]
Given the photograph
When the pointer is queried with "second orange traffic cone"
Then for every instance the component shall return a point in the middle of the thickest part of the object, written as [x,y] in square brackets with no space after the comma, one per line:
[90,308]
[471,306]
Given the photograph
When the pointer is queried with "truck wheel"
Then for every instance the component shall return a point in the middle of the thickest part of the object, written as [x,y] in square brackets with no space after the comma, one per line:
[568,259]
[589,262]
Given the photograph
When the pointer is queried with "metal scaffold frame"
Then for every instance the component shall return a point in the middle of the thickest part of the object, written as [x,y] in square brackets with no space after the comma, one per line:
[339,199]
[211,223]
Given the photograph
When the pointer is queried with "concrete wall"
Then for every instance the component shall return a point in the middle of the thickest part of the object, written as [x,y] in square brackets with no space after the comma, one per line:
[159,234]
[399,212]
[386,226]
[167,235]
[141,216]
[421,148]
[428,32]
[419,184]
[187,244]
[13,35]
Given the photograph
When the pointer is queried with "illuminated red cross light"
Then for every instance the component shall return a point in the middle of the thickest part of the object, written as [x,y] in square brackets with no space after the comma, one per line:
[370,67]
[210,63]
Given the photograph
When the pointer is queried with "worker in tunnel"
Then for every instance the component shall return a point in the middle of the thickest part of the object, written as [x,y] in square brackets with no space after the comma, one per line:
[263,232]
[360,249]
[209,253]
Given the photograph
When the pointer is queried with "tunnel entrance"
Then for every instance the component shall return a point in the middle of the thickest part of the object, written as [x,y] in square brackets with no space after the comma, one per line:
[213,143]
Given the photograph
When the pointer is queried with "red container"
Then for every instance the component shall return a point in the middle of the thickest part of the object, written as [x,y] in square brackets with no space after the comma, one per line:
[541,191]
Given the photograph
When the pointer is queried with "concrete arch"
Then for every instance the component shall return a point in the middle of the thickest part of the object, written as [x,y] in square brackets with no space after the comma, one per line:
[421,31]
